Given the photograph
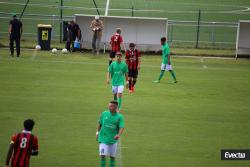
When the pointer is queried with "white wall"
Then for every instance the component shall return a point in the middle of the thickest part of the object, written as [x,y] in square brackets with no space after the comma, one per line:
[243,38]
[145,32]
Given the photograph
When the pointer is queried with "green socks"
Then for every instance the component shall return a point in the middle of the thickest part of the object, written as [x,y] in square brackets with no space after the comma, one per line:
[161,75]
[119,100]
[103,162]
[115,97]
[173,75]
[112,162]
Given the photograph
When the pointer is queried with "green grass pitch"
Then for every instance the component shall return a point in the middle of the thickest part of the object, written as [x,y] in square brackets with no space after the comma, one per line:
[178,125]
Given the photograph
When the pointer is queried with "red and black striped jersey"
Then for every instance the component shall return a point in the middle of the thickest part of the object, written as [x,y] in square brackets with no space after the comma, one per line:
[115,42]
[24,144]
[132,59]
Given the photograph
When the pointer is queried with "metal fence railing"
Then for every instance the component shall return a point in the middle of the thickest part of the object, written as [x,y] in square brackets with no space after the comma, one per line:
[205,34]
[180,33]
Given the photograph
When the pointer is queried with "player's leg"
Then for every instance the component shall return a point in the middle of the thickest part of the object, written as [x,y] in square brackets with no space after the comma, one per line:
[133,84]
[119,96]
[112,161]
[11,45]
[135,74]
[112,151]
[130,80]
[163,67]
[130,83]
[103,152]
[173,75]
[114,91]
[169,68]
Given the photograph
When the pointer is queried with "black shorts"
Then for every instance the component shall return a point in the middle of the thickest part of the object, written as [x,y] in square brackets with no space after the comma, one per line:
[132,73]
[112,54]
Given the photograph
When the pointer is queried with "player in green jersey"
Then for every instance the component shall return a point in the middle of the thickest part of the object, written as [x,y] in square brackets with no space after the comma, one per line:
[118,70]
[166,61]
[109,130]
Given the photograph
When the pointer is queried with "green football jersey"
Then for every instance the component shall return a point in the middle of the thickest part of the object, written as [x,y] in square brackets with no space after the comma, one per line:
[165,53]
[118,71]
[110,125]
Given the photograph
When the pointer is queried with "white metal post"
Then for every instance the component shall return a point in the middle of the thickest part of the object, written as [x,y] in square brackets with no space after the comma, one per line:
[107,8]
[237,41]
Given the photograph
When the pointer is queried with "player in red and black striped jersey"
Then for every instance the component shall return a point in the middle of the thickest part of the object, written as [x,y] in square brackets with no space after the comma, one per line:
[22,146]
[133,61]
[115,44]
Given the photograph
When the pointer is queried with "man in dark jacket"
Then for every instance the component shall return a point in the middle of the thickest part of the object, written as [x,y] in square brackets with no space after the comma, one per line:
[15,32]
[73,32]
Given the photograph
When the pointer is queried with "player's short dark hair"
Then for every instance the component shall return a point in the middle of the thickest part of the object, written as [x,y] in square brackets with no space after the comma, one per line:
[28,124]
[163,39]
[114,102]
[118,30]
[131,45]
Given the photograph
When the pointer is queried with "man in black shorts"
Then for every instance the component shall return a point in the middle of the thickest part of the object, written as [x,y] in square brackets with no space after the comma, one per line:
[133,62]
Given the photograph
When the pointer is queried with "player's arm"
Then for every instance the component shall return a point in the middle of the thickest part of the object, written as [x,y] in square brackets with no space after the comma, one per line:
[119,133]
[9,154]
[35,151]
[97,131]
[21,29]
[167,54]
[10,28]
[123,45]
[127,82]
[102,26]
[121,128]
[108,77]
[124,48]
[126,73]
[98,127]
[68,34]
[111,43]
[91,25]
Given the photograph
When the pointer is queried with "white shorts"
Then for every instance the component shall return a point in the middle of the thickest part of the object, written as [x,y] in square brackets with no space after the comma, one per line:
[166,67]
[117,89]
[108,149]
